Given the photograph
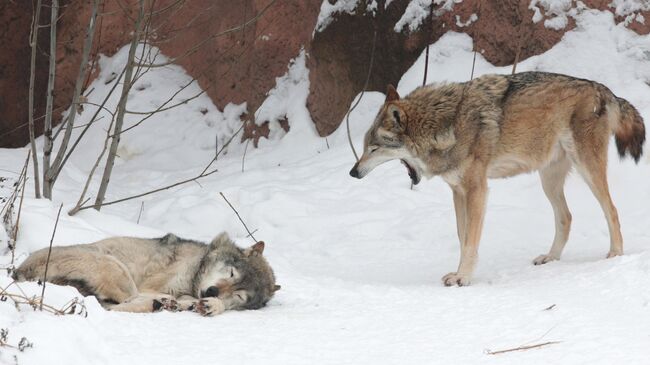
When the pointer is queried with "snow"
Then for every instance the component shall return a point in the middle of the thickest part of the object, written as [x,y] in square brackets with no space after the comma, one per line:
[359,261]
[626,7]
[472,18]
[287,98]
[559,11]
[418,10]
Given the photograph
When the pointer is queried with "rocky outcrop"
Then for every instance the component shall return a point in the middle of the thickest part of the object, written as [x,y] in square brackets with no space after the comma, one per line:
[236,63]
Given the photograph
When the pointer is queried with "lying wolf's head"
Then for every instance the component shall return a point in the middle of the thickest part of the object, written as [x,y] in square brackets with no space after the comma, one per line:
[411,130]
[241,278]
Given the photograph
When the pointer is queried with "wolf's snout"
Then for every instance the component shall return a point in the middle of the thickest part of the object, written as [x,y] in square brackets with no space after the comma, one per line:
[355,171]
[212,291]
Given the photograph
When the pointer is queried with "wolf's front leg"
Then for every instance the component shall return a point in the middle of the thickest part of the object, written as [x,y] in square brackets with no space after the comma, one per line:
[145,303]
[471,197]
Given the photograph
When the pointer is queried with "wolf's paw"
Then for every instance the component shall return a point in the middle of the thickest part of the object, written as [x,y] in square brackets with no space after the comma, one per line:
[167,304]
[543,259]
[453,278]
[209,307]
[611,254]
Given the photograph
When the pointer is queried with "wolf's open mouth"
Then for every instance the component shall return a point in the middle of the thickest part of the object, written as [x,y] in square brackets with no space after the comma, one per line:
[413,174]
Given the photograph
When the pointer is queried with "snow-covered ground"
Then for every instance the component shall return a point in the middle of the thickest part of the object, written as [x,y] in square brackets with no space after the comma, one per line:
[359,261]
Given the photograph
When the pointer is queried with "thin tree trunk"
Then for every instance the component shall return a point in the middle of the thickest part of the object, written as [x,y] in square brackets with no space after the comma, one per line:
[52,172]
[121,108]
[47,131]
[32,42]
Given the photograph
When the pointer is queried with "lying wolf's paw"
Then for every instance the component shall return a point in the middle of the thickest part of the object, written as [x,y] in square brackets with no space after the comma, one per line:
[167,304]
[455,279]
[543,259]
[209,307]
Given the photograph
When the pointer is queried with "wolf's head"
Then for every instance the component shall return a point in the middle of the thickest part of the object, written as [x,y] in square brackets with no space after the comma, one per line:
[241,278]
[413,130]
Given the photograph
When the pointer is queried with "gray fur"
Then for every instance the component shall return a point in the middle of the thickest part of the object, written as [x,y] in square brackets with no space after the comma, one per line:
[143,275]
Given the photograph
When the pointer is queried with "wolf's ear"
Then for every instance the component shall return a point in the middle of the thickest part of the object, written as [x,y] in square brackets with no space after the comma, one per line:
[445,139]
[220,239]
[396,115]
[391,93]
[276,288]
[256,249]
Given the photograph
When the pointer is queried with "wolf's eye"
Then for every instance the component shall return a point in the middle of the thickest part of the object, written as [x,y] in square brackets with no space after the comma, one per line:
[239,296]
[232,272]
[373,149]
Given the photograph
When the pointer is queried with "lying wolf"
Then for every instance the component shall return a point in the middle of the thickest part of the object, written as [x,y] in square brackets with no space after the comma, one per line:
[145,275]
[499,126]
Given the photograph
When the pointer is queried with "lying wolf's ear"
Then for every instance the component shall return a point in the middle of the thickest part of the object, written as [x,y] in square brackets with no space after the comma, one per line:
[391,93]
[444,139]
[276,288]
[256,249]
[221,239]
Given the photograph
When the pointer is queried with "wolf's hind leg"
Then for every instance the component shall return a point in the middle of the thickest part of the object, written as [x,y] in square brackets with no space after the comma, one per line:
[591,149]
[553,177]
[90,271]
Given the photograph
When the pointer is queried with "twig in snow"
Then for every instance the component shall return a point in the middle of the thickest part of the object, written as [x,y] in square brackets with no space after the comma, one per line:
[243,158]
[521,348]
[250,234]
[238,216]
[140,213]
[365,86]
[14,237]
[73,306]
[474,59]
[216,146]
[549,307]
[8,210]
[4,341]
[49,252]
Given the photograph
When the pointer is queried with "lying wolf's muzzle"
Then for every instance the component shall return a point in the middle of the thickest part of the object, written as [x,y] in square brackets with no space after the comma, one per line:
[212,291]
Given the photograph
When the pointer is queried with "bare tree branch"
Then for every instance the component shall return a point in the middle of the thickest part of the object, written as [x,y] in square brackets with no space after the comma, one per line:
[32,42]
[52,172]
[121,108]
[47,131]
[92,120]
[82,197]
[203,174]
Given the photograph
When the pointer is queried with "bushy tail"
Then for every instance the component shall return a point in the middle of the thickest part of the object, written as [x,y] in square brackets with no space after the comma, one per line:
[629,132]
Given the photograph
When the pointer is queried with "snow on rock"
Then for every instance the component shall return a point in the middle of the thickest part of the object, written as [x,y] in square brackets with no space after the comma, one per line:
[328,10]
[626,7]
[288,98]
[418,10]
[359,261]
[472,18]
[557,12]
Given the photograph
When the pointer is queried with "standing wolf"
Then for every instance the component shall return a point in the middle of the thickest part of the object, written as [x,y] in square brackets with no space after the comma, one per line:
[144,275]
[499,126]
